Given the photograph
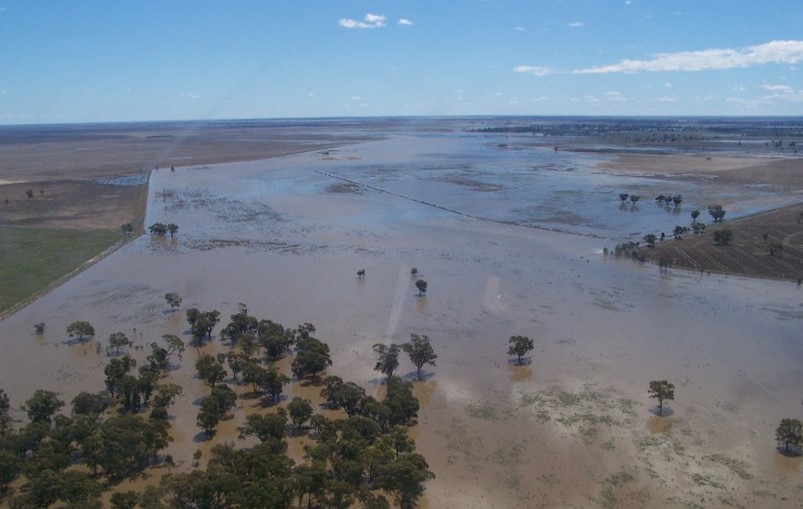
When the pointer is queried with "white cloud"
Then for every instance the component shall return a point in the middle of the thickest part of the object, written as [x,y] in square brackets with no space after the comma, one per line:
[779,89]
[534,70]
[615,96]
[189,95]
[519,29]
[369,21]
[356,98]
[669,99]
[789,52]
[591,99]
[404,22]
[576,24]
[782,93]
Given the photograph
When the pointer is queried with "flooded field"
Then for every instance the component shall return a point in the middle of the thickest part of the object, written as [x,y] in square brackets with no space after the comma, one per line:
[509,240]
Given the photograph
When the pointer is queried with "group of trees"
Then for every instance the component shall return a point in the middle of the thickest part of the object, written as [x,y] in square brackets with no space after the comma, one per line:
[365,456]
[162,229]
[111,444]
[634,198]
[419,349]
[350,460]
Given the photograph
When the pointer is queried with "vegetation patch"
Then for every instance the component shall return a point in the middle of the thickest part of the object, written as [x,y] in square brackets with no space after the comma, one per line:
[738,467]
[34,258]
[482,411]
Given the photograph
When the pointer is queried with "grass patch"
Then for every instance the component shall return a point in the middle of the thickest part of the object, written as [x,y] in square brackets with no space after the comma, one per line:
[738,467]
[482,411]
[34,258]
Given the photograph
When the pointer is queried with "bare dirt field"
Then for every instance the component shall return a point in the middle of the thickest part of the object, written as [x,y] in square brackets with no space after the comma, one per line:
[750,253]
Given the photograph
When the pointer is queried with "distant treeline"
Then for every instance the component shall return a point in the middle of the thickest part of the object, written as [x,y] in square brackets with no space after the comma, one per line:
[696,128]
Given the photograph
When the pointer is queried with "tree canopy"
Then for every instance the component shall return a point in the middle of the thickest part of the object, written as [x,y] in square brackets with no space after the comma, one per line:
[520,346]
[661,390]
[420,351]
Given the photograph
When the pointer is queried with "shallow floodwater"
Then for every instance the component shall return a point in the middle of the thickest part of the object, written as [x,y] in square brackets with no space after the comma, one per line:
[572,428]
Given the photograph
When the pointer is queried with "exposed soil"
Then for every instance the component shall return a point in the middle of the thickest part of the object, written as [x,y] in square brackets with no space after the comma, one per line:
[748,254]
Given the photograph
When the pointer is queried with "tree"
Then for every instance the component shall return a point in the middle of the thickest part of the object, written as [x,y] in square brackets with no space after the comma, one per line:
[236,362]
[115,370]
[775,247]
[80,328]
[422,287]
[790,432]
[42,406]
[124,500]
[172,228]
[210,370]
[39,328]
[403,479]
[694,215]
[345,395]
[300,410]
[661,390]
[225,397]
[650,239]
[271,426]
[173,300]
[273,383]
[520,346]
[677,200]
[414,271]
[361,273]
[209,414]
[117,341]
[5,406]
[158,229]
[623,197]
[723,237]
[312,358]
[174,345]
[388,358]
[717,213]
[634,198]
[420,351]
[86,403]
[203,323]
[399,401]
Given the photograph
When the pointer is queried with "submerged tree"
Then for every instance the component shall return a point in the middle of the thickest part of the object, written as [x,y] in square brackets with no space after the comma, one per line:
[717,213]
[173,300]
[42,406]
[420,351]
[388,358]
[422,287]
[520,346]
[117,341]
[661,390]
[80,328]
[789,432]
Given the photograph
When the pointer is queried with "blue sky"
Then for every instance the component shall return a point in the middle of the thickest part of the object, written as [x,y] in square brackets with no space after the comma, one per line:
[81,61]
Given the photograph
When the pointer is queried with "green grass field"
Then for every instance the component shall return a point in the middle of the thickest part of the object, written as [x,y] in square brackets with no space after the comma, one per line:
[33,258]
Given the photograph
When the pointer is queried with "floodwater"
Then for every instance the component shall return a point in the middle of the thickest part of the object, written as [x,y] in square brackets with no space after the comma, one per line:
[572,428]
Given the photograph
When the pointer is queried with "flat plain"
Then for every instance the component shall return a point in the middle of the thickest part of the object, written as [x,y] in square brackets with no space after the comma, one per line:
[508,232]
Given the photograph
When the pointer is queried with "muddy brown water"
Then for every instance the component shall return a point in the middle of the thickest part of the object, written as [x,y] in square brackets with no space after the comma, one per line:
[571,428]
